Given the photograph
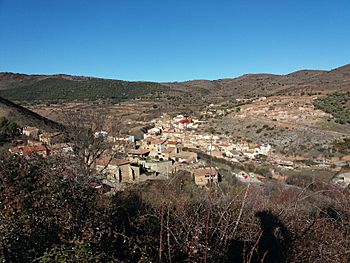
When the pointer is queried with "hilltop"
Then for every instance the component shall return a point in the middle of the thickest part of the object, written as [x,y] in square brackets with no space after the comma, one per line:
[10,80]
[255,85]
[22,87]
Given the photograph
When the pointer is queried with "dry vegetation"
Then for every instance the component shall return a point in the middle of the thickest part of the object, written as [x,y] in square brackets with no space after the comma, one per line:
[291,123]
[49,213]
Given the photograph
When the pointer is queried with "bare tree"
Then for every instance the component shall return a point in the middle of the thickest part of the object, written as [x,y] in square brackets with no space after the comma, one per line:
[84,133]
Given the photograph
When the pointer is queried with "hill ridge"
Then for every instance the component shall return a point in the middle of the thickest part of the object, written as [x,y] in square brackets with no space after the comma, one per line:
[21,87]
[3,74]
[25,117]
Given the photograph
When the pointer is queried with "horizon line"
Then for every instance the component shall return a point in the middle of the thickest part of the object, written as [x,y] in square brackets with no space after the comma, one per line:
[170,81]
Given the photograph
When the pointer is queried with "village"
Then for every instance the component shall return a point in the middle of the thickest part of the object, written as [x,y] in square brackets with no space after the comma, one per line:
[171,145]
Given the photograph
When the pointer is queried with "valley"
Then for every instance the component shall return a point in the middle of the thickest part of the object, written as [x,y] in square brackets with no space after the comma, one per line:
[245,146]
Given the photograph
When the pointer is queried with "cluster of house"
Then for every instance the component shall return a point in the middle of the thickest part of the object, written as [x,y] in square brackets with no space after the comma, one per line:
[217,145]
[42,143]
[169,146]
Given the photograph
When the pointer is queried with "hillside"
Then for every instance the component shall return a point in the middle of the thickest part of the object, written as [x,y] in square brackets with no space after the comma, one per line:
[24,117]
[337,104]
[21,87]
[9,80]
[255,85]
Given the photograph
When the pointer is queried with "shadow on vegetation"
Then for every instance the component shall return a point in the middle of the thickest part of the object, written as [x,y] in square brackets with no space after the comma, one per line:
[272,246]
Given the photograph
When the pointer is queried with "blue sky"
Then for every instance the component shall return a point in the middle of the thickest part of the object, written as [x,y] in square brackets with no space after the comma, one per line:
[172,40]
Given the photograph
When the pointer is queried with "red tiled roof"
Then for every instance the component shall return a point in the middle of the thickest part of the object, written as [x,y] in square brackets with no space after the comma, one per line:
[158,141]
[185,121]
[28,149]
[169,150]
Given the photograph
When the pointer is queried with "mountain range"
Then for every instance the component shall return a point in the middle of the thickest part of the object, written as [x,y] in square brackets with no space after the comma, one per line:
[22,87]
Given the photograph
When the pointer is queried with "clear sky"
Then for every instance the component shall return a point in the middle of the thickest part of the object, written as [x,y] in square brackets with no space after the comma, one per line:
[172,40]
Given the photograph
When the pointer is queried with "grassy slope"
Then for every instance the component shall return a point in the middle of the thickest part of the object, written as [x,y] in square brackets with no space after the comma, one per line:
[52,89]
[337,104]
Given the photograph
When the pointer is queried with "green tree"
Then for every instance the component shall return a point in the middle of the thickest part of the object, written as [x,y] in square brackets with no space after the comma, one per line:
[9,128]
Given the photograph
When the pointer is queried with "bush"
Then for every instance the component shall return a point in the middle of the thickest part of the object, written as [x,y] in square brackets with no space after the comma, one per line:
[264,171]
[336,104]
[299,180]
[59,89]
[50,213]
[9,128]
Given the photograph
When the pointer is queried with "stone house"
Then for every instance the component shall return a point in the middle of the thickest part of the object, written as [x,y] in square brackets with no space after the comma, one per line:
[185,157]
[205,175]
[138,155]
[31,132]
[50,138]
[160,167]
[168,152]
[155,145]
[117,170]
